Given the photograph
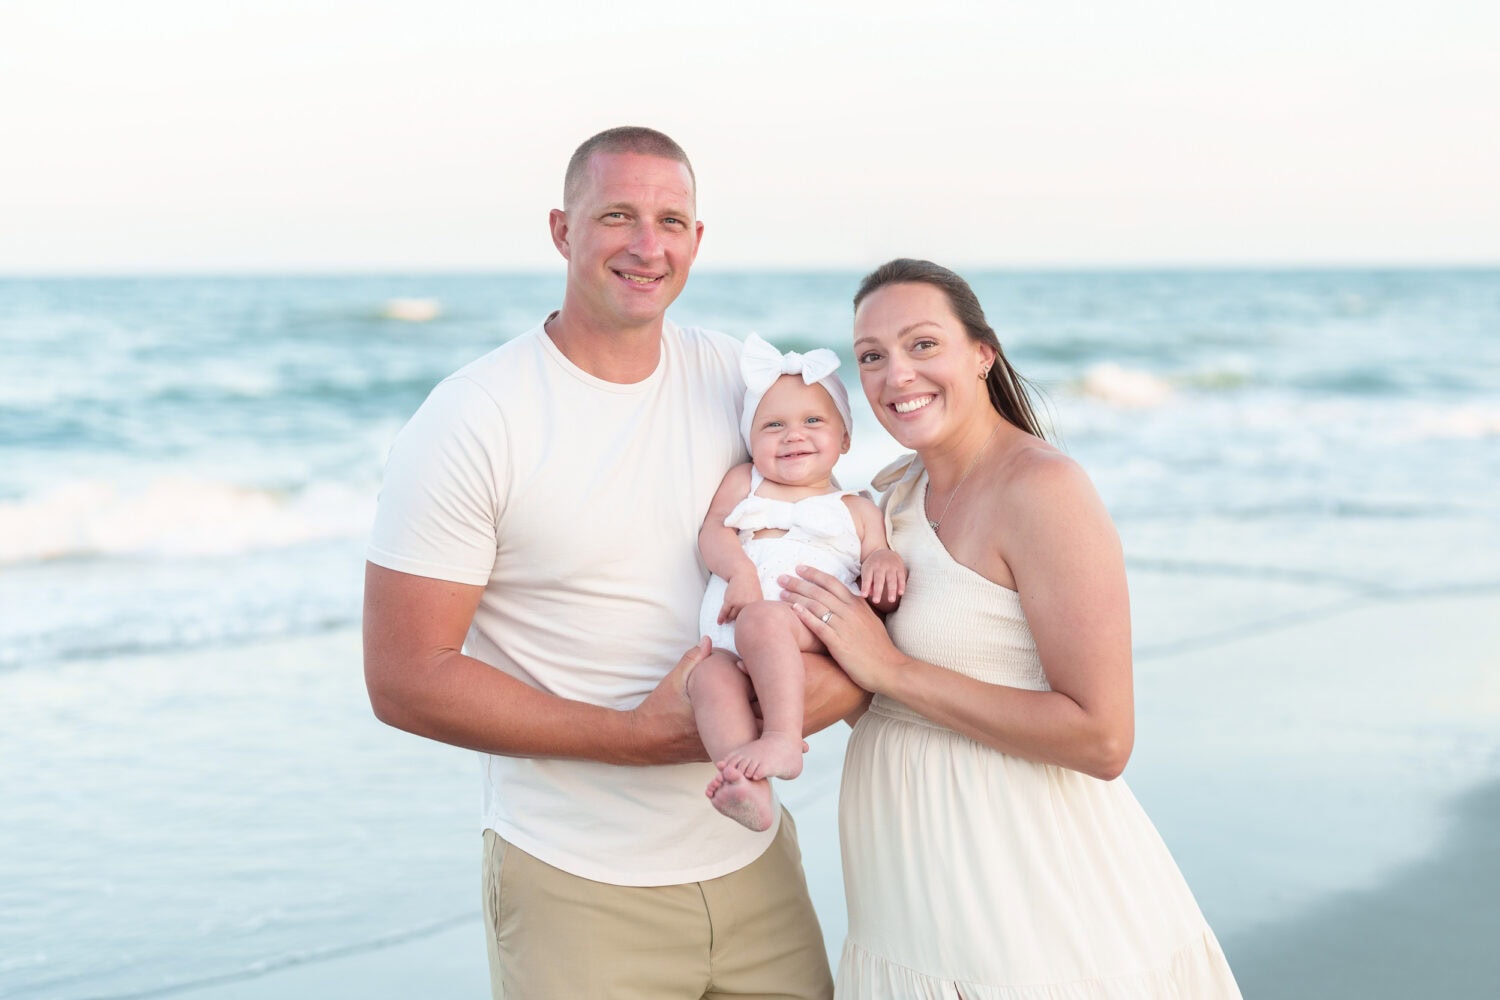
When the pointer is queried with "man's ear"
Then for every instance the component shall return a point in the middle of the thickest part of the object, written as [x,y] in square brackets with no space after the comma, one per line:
[557,221]
[697,241]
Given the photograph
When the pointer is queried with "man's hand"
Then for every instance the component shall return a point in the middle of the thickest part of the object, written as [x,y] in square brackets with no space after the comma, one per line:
[665,732]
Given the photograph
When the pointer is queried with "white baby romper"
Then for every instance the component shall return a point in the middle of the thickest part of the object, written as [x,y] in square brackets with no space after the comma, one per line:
[820,532]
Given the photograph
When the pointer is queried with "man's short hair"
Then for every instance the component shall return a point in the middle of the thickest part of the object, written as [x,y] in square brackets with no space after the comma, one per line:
[624,139]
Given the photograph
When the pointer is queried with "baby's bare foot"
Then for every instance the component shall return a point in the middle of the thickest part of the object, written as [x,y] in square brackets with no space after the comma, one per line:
[743,800]
[774,755]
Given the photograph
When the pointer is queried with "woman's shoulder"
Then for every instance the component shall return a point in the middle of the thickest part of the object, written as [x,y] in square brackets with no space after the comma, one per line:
[1035,462]
[1041,482]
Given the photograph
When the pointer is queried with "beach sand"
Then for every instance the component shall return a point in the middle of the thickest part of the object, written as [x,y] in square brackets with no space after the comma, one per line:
[1329,783]
[452,963]
[1332,795]
[449,963]
[1430,930]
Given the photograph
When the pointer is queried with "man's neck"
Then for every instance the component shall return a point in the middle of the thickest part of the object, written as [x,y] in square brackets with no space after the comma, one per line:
[624,355]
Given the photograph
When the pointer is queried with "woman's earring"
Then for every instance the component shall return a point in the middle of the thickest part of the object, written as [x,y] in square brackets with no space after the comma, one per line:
[984,372]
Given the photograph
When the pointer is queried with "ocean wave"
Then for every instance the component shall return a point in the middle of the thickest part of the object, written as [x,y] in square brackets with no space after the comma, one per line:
[412,310]
[175,517]
[1457,423]
[98,608]
[1134,388]
[1127,388]
[1231,375]
[165,636]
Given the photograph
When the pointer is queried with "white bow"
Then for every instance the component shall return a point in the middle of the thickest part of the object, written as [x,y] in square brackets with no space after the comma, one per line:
[762,364]
[817,519]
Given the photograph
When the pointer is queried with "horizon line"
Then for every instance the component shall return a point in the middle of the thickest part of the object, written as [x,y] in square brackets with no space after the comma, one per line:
[1091,267]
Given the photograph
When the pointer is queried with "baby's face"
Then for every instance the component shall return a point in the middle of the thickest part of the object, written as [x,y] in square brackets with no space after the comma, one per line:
[797,435]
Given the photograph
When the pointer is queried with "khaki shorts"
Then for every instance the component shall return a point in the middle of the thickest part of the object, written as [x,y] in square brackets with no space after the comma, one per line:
[555,936]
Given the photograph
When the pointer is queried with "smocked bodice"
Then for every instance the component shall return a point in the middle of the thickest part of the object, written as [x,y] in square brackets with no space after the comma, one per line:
[950,615]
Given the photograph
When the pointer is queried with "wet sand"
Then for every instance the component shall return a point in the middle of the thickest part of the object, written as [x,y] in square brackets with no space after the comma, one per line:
[1329,782]
[1431,930]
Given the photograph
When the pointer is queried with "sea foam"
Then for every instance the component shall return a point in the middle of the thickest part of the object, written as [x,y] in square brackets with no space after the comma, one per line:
[175,517]
[1124,387]
[1458,423]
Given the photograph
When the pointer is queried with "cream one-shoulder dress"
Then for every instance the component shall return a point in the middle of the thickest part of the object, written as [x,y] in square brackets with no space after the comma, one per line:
[971,873]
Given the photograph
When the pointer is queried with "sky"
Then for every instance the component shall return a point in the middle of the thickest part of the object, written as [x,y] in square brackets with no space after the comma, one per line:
[165,136]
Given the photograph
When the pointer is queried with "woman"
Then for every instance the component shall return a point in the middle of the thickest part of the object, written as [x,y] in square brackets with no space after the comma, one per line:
[989,851]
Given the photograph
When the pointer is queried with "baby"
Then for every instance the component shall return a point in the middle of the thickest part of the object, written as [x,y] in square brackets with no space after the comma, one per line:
[780,510]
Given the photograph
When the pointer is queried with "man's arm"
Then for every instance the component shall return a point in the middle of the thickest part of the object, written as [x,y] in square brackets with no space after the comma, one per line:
[830,695]
[419,680]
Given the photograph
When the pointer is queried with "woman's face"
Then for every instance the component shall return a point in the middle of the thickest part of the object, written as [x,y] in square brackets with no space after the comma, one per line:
[919,368]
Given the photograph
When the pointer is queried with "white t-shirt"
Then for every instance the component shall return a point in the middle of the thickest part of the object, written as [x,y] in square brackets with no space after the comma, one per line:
[576,503]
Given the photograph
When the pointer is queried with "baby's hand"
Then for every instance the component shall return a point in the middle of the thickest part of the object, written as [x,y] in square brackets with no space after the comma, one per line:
[743,589]
[882,579]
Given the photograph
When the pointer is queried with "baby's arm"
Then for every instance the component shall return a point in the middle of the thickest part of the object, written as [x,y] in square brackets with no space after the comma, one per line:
[882,574]
[721,548]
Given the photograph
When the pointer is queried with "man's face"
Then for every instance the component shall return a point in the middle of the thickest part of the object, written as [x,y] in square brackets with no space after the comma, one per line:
[629,234]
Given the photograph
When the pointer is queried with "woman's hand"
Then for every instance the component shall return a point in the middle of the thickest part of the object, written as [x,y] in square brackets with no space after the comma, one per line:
[853,633]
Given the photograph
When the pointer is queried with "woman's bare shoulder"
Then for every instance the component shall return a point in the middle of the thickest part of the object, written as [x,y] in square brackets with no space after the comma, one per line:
[1042,481]
[1038,464]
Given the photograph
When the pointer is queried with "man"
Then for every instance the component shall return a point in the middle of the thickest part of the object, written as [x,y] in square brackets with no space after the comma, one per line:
[544,504]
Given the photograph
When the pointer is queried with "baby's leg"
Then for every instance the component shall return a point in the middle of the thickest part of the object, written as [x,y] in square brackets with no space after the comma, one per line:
[771,641]
[720,694]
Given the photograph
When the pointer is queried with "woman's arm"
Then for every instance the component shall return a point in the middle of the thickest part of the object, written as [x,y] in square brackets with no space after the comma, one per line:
[1065,558]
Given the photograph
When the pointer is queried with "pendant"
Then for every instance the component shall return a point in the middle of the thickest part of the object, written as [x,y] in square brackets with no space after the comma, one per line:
[932,524]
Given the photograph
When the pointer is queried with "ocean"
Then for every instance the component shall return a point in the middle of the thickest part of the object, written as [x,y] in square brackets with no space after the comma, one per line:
[188,468]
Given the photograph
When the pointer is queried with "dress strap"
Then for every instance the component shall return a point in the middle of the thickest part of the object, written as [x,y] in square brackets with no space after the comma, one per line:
[899,481]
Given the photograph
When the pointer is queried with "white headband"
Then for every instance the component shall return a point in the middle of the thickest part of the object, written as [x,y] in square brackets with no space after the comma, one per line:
[762,365]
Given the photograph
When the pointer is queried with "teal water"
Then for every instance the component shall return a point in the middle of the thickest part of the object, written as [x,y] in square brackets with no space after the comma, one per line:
[168,447]
[187,471]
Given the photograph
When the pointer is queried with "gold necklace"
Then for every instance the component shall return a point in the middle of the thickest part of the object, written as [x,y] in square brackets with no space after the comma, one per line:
[963,478]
